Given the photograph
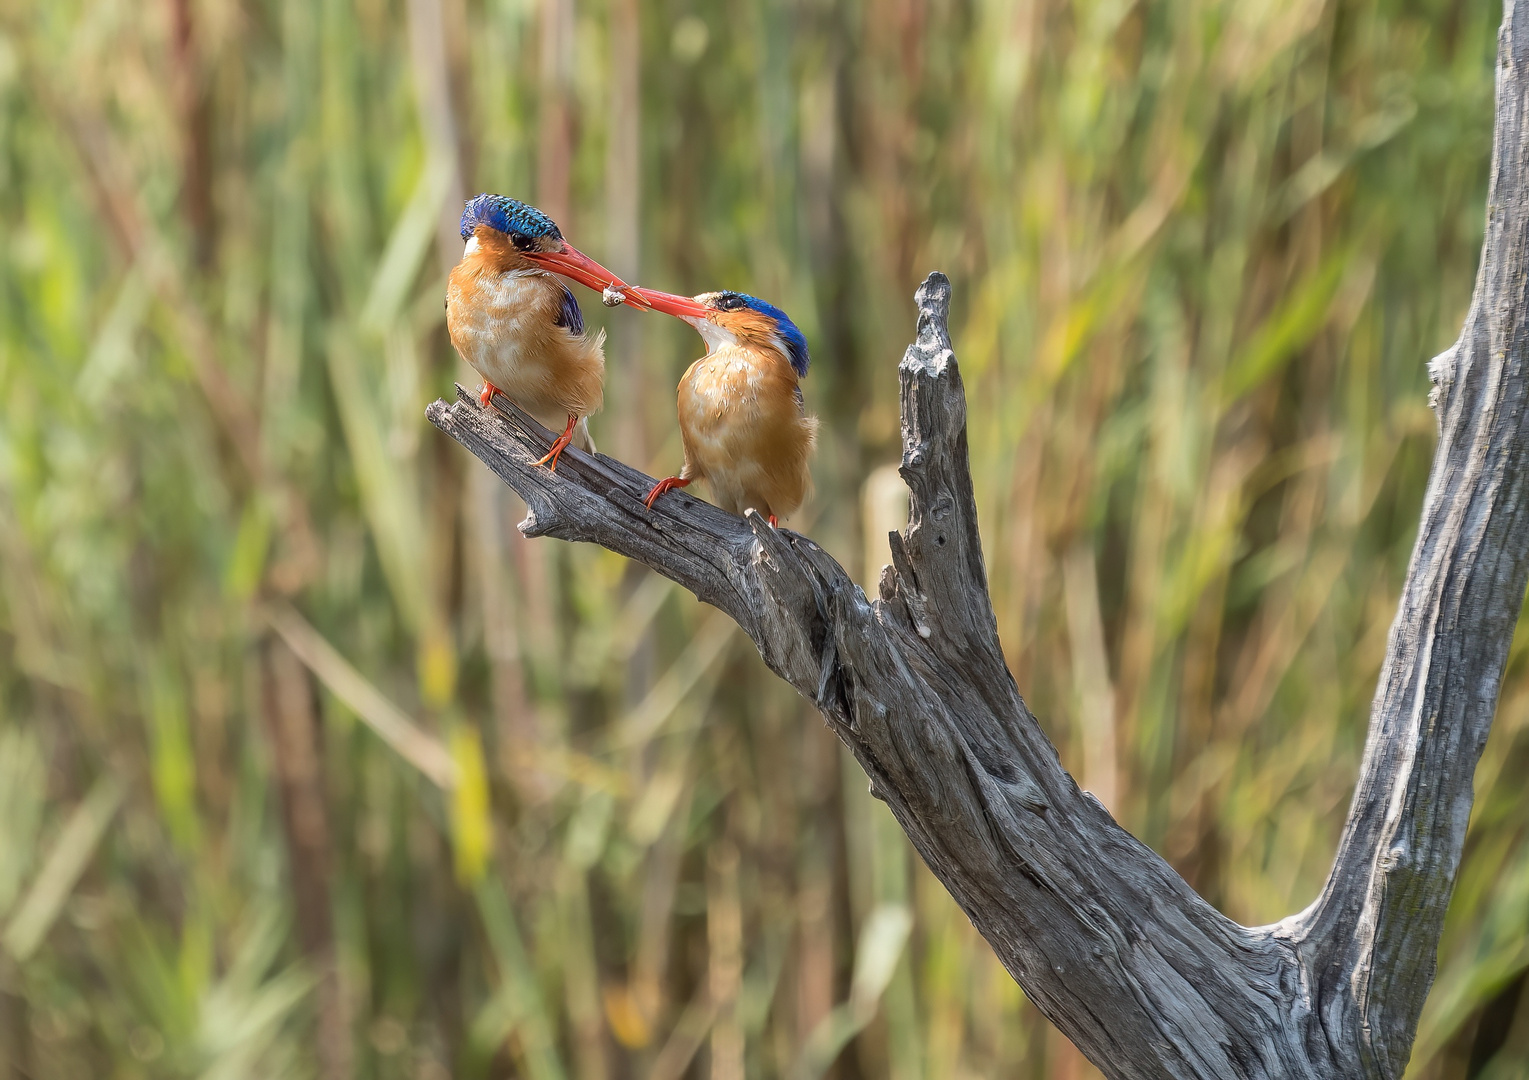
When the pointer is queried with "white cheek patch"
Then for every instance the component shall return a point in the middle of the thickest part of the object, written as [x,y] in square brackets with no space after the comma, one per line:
[472,246]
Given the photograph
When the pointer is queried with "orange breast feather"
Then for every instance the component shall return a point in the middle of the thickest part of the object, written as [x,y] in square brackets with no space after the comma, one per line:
[744,432]
[504,324]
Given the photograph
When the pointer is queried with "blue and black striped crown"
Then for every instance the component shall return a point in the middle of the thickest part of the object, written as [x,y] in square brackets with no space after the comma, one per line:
[508,216]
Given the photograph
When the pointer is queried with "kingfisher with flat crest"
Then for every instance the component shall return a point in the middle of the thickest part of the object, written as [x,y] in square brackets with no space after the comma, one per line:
[743,424]
[518,324]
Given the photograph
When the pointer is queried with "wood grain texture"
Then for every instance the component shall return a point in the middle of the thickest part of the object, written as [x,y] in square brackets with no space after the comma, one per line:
[1108,941]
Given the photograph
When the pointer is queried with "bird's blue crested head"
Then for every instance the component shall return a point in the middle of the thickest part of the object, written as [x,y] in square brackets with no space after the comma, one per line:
[791,338]
[511,217]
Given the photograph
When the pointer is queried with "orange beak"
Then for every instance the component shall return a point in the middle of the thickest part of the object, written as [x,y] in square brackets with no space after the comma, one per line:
[681,307]
[573,263]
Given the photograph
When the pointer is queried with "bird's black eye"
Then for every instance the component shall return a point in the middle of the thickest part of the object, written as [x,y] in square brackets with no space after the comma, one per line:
[731,303]
[521,241]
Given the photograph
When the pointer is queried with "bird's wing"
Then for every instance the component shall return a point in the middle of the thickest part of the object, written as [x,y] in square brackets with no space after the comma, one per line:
[569,314]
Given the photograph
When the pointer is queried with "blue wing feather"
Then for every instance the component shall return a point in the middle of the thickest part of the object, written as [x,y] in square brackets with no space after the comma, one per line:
[569,314]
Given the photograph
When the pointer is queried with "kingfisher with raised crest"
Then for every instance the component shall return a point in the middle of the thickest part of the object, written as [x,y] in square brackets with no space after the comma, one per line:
[743,423]
[519,326]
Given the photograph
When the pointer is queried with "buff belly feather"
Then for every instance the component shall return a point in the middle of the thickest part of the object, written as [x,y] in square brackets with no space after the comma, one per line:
[504,325]
[744,433]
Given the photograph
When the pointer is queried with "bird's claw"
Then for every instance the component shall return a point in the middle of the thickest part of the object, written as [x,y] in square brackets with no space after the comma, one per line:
[559,444]
[552,455]
[486,395]
[668,483]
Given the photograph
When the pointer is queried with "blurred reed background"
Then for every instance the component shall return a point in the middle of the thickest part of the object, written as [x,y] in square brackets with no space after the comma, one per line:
[310,766]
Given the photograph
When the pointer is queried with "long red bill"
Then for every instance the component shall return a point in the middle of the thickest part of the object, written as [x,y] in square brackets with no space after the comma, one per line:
[681,307]
[573,263]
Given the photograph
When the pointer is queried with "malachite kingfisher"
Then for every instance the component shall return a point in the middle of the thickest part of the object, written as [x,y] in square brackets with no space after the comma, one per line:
[519,325]
[743,424]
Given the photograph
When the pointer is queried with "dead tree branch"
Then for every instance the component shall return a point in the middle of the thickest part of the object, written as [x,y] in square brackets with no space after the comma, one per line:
[1112,945]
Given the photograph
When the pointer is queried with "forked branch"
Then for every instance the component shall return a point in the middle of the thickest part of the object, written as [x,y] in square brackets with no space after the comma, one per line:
[1112,945]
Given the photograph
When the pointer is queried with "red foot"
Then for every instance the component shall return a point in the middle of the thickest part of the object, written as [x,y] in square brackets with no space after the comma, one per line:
[668,483]
[558,446]
[772,521]
[487,393]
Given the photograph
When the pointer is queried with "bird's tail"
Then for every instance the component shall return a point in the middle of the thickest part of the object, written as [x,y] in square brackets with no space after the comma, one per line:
[581,436]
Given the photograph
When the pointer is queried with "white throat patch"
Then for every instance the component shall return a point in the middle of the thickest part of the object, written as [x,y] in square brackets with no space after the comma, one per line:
[715,336]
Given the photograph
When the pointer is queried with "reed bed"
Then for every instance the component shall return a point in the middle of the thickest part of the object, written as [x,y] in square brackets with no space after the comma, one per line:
[310,765]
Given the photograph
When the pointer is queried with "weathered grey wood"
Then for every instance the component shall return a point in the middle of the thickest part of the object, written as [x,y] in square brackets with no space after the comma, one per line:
[1111,944]
[1373,934]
